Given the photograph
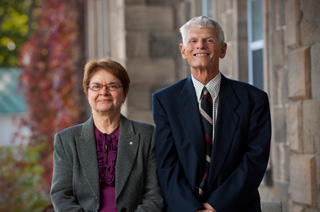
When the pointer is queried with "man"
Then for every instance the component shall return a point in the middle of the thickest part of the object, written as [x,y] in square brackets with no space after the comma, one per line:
[212,133]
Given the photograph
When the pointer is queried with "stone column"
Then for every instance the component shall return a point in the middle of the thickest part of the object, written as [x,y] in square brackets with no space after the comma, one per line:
[151,47]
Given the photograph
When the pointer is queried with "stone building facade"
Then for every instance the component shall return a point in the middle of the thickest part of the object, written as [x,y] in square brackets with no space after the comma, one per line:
[143,36]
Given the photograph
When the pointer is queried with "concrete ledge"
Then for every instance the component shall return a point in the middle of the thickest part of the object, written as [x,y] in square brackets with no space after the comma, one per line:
[273,206]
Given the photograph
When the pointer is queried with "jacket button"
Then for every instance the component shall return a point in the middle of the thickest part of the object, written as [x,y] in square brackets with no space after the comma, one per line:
[123,210]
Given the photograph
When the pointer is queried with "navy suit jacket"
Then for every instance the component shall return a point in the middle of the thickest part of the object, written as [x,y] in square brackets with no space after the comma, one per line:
[240,148]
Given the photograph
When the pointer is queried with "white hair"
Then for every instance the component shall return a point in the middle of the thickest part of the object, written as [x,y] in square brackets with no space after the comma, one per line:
[202,22]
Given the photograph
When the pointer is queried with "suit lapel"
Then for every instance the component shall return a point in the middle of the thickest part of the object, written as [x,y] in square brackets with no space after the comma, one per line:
[87,152]
[127,151]
[189,117]
[227,122]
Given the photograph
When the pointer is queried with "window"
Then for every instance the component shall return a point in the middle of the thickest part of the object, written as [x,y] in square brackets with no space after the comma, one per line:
[207,8]
[255,43]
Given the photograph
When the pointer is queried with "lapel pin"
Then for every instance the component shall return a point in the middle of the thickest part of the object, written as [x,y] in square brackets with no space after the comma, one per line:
[131,143]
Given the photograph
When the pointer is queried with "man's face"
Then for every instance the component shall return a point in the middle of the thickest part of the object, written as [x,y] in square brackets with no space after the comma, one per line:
[202,49]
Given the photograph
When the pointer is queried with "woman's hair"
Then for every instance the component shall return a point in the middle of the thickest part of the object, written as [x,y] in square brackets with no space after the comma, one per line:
[202,22]
[110,66]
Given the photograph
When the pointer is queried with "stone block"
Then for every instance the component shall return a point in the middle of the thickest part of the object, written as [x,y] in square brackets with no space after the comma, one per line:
[279,125]
[318,178]
[269,9]
[163,2]
[151,72]
[278,49]
[272,206]
[227,63]
[278,88]
[311,126]
[315,70]
[283,90]
[229,31]
[309,22]
[183,68]
[294,126]
[182,13]
[135,1]
[311,210]
[292,23]
[165,44]
[266,192]
[222,6]
[137,44]
[279,12]
[148,18]
[139,97]
[282,163]
[279,155]
[142,116]
[281,194]
[297,208]
[303,179]
[299,73]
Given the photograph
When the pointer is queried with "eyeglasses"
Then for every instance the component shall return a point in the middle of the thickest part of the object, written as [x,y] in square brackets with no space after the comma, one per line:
[97,86]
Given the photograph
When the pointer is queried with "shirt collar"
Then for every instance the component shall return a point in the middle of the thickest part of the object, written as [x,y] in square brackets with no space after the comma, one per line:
[213,86]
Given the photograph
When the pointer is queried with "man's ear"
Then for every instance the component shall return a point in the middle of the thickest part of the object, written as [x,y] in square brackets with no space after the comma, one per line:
[182,50]
[223,50]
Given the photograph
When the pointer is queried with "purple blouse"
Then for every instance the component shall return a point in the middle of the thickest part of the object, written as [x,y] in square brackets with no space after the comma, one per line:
[107,147]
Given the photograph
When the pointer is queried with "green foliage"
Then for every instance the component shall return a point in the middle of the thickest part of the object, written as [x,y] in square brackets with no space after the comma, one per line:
[16,23]
[21,173]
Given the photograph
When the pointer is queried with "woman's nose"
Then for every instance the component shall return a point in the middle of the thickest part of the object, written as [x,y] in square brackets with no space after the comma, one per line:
[104,90]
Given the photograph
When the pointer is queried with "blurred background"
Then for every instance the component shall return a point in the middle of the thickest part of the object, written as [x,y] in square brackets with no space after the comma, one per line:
[44,44]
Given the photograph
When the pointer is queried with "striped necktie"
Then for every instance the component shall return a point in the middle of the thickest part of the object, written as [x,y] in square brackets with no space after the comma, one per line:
[206,118]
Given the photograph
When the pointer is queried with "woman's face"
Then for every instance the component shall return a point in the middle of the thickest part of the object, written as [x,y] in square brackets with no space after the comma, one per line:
[105,101]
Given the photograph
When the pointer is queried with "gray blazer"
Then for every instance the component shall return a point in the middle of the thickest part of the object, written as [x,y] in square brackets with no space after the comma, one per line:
[75,182]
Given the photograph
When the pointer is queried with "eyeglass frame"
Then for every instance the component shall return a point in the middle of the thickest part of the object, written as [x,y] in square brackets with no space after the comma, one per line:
[105,85]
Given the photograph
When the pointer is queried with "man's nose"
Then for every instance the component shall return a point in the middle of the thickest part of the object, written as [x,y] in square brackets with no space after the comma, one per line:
[201,44]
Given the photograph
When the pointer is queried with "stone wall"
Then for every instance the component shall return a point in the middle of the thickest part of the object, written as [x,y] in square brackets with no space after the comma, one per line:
[293,36]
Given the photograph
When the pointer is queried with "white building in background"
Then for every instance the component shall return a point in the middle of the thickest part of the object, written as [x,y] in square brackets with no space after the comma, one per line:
[12,104]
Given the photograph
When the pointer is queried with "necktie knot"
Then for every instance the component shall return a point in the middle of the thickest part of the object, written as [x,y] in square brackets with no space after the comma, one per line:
[206,95]
[206,103]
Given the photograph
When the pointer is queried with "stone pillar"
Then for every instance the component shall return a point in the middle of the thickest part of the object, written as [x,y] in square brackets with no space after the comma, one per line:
[151,46]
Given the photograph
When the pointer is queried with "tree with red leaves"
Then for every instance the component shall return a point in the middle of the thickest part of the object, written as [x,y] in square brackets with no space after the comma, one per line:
[52,65]
[50,62]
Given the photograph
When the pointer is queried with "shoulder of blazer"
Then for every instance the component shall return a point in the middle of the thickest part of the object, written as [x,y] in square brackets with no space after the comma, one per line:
[241,89]
[176,87]
[77,130]
[239,86]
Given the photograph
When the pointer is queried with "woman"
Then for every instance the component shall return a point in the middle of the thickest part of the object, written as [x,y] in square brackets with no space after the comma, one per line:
[107,163]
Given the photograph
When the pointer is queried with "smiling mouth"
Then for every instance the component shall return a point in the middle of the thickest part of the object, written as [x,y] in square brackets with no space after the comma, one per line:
[104,100]
[201,54]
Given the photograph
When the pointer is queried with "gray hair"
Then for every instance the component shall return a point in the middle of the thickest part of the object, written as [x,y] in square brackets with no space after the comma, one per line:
[202,22]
